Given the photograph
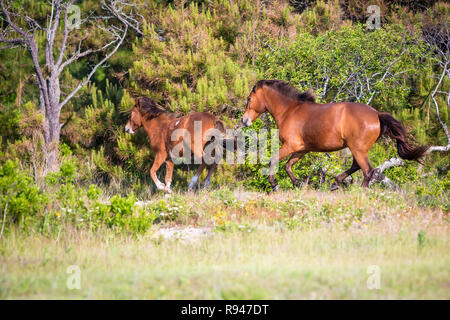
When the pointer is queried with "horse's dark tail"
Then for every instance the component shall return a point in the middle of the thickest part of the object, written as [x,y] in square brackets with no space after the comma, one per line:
[394,129]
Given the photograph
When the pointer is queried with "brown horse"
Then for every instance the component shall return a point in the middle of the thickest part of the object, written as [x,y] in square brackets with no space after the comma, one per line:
[161,127]
[306,126]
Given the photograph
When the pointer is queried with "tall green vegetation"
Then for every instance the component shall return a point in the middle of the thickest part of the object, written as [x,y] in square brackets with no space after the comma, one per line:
[201,57]
[206,56]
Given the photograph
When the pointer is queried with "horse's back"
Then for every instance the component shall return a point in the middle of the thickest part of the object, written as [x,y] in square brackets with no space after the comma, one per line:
[195,125]
[199,116]
[333,126]
[189,121]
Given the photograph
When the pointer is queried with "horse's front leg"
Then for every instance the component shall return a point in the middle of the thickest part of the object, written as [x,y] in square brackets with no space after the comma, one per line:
[169,173]
[284,151]
[340,178]
[159,159]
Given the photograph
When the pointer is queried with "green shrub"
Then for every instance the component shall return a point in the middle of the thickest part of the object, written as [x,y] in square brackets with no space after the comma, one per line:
[434,191]
[334,57]
[21,201]
[66,173]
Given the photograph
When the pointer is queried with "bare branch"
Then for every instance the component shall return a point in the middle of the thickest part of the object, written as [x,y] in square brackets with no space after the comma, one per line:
[10,46]
[116,7]
[443,124]
[16,41]
[26,36]
[88,78]
[33,23]
[66,35]
[29,42]
[57,7]
[396,161]
[392,162]
[79,54]
[34,51]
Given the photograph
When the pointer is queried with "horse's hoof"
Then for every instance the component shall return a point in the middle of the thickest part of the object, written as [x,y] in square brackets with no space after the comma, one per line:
[161,186]
[334,186]
[206,184]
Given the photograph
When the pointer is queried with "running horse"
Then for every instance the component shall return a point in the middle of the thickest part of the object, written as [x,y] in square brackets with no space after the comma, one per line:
[306,126]
[160,126]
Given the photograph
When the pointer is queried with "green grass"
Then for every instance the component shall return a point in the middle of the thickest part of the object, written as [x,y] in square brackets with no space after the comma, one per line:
[261,247]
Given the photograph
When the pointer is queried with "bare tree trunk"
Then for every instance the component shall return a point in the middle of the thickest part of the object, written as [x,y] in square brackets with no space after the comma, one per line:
[52,130]
[50,109]
[52,127]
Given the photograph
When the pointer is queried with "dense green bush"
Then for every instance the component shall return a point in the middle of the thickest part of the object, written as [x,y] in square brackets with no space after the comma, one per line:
[333,63]
[21,201]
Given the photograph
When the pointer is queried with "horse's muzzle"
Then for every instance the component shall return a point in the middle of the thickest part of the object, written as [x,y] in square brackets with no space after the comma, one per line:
[245,122]
[128,129]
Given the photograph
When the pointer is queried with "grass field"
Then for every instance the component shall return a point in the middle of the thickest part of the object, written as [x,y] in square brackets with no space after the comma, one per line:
[291,245]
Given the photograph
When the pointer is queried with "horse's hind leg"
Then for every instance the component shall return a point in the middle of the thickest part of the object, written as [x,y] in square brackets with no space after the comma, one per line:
[211,169]
[363,161]
[169,173]
[340,178]
[292,160]
[194,179]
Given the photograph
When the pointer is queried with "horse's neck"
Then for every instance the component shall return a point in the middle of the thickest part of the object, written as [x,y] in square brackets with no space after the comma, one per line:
[276,110]
[278,106]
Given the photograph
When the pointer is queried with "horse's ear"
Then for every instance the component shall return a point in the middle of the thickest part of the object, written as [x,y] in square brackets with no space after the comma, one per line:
[136,102]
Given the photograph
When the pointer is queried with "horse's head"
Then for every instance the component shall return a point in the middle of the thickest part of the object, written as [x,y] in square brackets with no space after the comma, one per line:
[135,121]
[255,106]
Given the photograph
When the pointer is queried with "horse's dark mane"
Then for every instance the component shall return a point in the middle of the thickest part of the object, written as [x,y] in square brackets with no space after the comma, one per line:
[286,89]
[148,106]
